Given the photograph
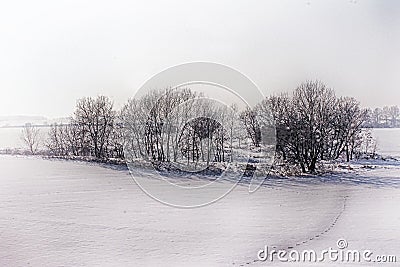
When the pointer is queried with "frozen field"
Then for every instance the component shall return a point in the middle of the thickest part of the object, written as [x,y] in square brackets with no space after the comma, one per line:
[388,141]
[60,213]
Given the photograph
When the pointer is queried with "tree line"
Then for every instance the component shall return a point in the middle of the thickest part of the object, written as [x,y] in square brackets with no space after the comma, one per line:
[307,126]
[386,117]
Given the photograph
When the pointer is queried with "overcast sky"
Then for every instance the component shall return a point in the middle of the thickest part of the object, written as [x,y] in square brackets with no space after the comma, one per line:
[54,52]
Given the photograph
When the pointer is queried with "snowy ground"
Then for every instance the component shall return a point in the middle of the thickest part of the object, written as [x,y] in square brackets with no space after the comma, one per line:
[64,213]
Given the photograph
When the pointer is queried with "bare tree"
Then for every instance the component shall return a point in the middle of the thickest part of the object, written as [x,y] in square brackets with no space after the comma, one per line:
[30,135]
[386,115]
[96,117]
[249,118]
[394,115]
[116,141]
[376,114]
[55,142]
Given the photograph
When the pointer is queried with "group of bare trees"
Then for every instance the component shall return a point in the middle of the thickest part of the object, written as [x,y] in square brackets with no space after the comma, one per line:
[386,117]
[183,127]
[92,131]
[179,126]
[313,124]
[164,126]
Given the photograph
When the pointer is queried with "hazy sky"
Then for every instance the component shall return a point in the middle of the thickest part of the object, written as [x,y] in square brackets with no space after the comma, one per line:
[54,52]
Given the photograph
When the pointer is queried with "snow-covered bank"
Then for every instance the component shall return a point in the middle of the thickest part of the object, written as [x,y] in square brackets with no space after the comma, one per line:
[72,213]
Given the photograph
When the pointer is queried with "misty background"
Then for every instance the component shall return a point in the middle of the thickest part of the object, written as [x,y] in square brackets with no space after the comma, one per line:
[55,52]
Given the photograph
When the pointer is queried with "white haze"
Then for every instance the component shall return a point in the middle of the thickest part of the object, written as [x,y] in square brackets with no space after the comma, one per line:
[54,52]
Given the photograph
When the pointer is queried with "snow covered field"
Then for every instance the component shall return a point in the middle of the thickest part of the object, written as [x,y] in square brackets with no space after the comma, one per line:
[64,213]
[388,141]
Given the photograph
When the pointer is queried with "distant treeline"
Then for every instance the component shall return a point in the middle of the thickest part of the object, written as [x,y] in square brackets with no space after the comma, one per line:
[386,117]
[307,126]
